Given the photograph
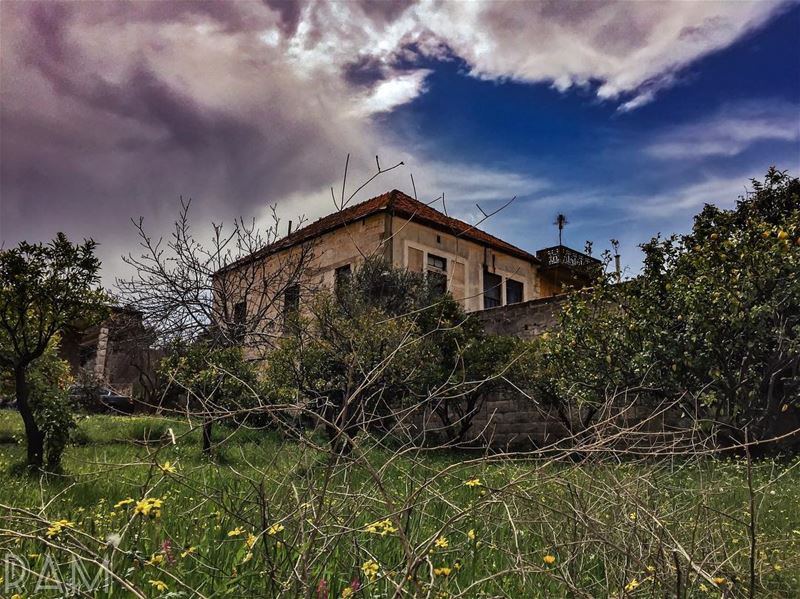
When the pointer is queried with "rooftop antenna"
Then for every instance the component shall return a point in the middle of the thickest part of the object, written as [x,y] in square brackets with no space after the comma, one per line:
[561,221]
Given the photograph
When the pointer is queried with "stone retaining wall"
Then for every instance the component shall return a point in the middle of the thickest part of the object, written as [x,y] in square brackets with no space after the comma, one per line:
[511,421]
[514,420]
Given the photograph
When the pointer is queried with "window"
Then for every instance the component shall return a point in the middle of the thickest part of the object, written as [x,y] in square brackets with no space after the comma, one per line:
[341,277]
[291,303]
[514,292]
[491,289]
[239,319]
[437,274]
[437,262]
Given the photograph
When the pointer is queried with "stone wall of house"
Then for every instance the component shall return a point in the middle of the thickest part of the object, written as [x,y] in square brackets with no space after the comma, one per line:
[467,261]
[525,320]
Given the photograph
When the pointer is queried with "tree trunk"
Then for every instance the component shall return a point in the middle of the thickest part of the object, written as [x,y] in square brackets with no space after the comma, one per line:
[207,429]
[33,434]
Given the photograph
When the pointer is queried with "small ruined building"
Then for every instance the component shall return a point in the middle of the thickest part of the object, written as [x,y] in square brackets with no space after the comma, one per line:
[481,271]
[115,352]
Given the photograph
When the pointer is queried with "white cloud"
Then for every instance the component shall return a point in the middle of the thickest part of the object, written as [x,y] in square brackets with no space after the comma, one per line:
[730,132]
[687,200]
[631,48]
[637,101]
[391,93]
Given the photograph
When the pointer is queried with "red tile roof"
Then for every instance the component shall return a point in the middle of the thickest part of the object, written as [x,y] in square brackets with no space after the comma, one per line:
[401,205]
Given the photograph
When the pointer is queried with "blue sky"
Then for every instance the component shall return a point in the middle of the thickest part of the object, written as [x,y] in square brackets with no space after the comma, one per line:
[601,164]
[626,116]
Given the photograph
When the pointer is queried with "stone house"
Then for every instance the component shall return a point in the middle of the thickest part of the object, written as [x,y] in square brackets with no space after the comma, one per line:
[480,270]
[509,290]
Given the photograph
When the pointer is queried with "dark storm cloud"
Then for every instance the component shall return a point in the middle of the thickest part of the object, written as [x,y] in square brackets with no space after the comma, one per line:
[107,119]
[385,12]
[289,12]
[364,71]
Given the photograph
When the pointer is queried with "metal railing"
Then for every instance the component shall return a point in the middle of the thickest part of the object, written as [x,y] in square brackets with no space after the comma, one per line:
[561,255]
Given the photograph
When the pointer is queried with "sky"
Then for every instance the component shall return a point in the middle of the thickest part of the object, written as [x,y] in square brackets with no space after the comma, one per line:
[625,116]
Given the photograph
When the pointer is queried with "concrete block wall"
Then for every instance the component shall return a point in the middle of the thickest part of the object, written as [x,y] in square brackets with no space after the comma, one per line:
[510,421]
[514,420]
[525,320]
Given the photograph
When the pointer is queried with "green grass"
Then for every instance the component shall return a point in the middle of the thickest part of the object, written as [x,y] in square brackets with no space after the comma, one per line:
[631,517]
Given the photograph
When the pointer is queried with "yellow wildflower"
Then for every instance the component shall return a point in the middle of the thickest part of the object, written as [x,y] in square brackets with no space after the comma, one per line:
[549,559]
[149,507]
[188,551]
[370,569]
[235,532]
[651,569]
[168,468]
[719,580]
[158,585]
[155,559]
[632,516]
[275,529]
[471,534]
[16,596]
[441,543]
[123,503]
[347,592]
[57,526]
[632,585]
[703,588]
[381,527]
[388,527]
[473,482]
[443,571]
[251,540]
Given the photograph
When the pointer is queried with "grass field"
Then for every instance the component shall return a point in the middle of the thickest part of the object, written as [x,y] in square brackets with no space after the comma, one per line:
[271,516]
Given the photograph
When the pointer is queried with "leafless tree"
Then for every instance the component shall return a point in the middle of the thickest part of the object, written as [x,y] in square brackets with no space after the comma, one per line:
[222,290]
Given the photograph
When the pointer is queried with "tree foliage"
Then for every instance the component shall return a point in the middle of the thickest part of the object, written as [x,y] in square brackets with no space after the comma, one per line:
[43,288]
[714,318]
[217,382]
[379,348]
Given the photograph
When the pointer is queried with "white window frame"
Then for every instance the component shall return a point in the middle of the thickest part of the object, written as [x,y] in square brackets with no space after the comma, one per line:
[451,260]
